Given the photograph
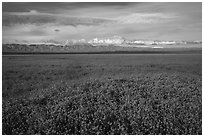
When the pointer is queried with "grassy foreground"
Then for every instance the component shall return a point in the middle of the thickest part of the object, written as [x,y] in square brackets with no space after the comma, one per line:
[92,94]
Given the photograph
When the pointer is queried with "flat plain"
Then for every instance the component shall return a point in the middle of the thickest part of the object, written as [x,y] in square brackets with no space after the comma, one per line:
[102,94]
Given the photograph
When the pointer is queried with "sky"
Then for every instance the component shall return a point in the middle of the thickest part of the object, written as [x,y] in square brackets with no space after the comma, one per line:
[35,22]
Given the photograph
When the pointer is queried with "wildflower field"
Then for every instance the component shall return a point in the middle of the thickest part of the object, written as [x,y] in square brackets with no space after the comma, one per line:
[102,94]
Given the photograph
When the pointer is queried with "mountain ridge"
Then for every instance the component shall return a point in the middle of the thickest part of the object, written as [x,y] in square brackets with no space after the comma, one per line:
[114,43]
[116,39]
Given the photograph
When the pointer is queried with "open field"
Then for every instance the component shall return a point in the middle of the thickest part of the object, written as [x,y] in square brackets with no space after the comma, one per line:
[102,94]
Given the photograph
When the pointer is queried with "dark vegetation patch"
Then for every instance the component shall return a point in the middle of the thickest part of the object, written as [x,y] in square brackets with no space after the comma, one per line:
[157,104]
[97,94]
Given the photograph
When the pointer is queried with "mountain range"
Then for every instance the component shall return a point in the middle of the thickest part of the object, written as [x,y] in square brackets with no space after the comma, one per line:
[115,43]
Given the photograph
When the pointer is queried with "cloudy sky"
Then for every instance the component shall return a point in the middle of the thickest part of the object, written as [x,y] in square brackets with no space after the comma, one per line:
[61,21]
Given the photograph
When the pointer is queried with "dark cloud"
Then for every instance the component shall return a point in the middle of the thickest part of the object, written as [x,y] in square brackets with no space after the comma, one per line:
[100,4]
[9,19]
[52,7]
[27,6]
[57,30]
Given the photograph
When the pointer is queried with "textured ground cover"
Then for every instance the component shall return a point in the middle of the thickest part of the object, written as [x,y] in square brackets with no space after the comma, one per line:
[115,94]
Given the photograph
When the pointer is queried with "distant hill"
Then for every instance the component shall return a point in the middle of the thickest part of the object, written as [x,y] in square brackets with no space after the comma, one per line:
[115,43]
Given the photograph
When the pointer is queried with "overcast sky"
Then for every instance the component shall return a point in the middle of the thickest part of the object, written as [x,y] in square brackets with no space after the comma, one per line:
[61,21]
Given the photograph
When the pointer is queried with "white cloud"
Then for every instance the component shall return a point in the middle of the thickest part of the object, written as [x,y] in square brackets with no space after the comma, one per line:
[146,18]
